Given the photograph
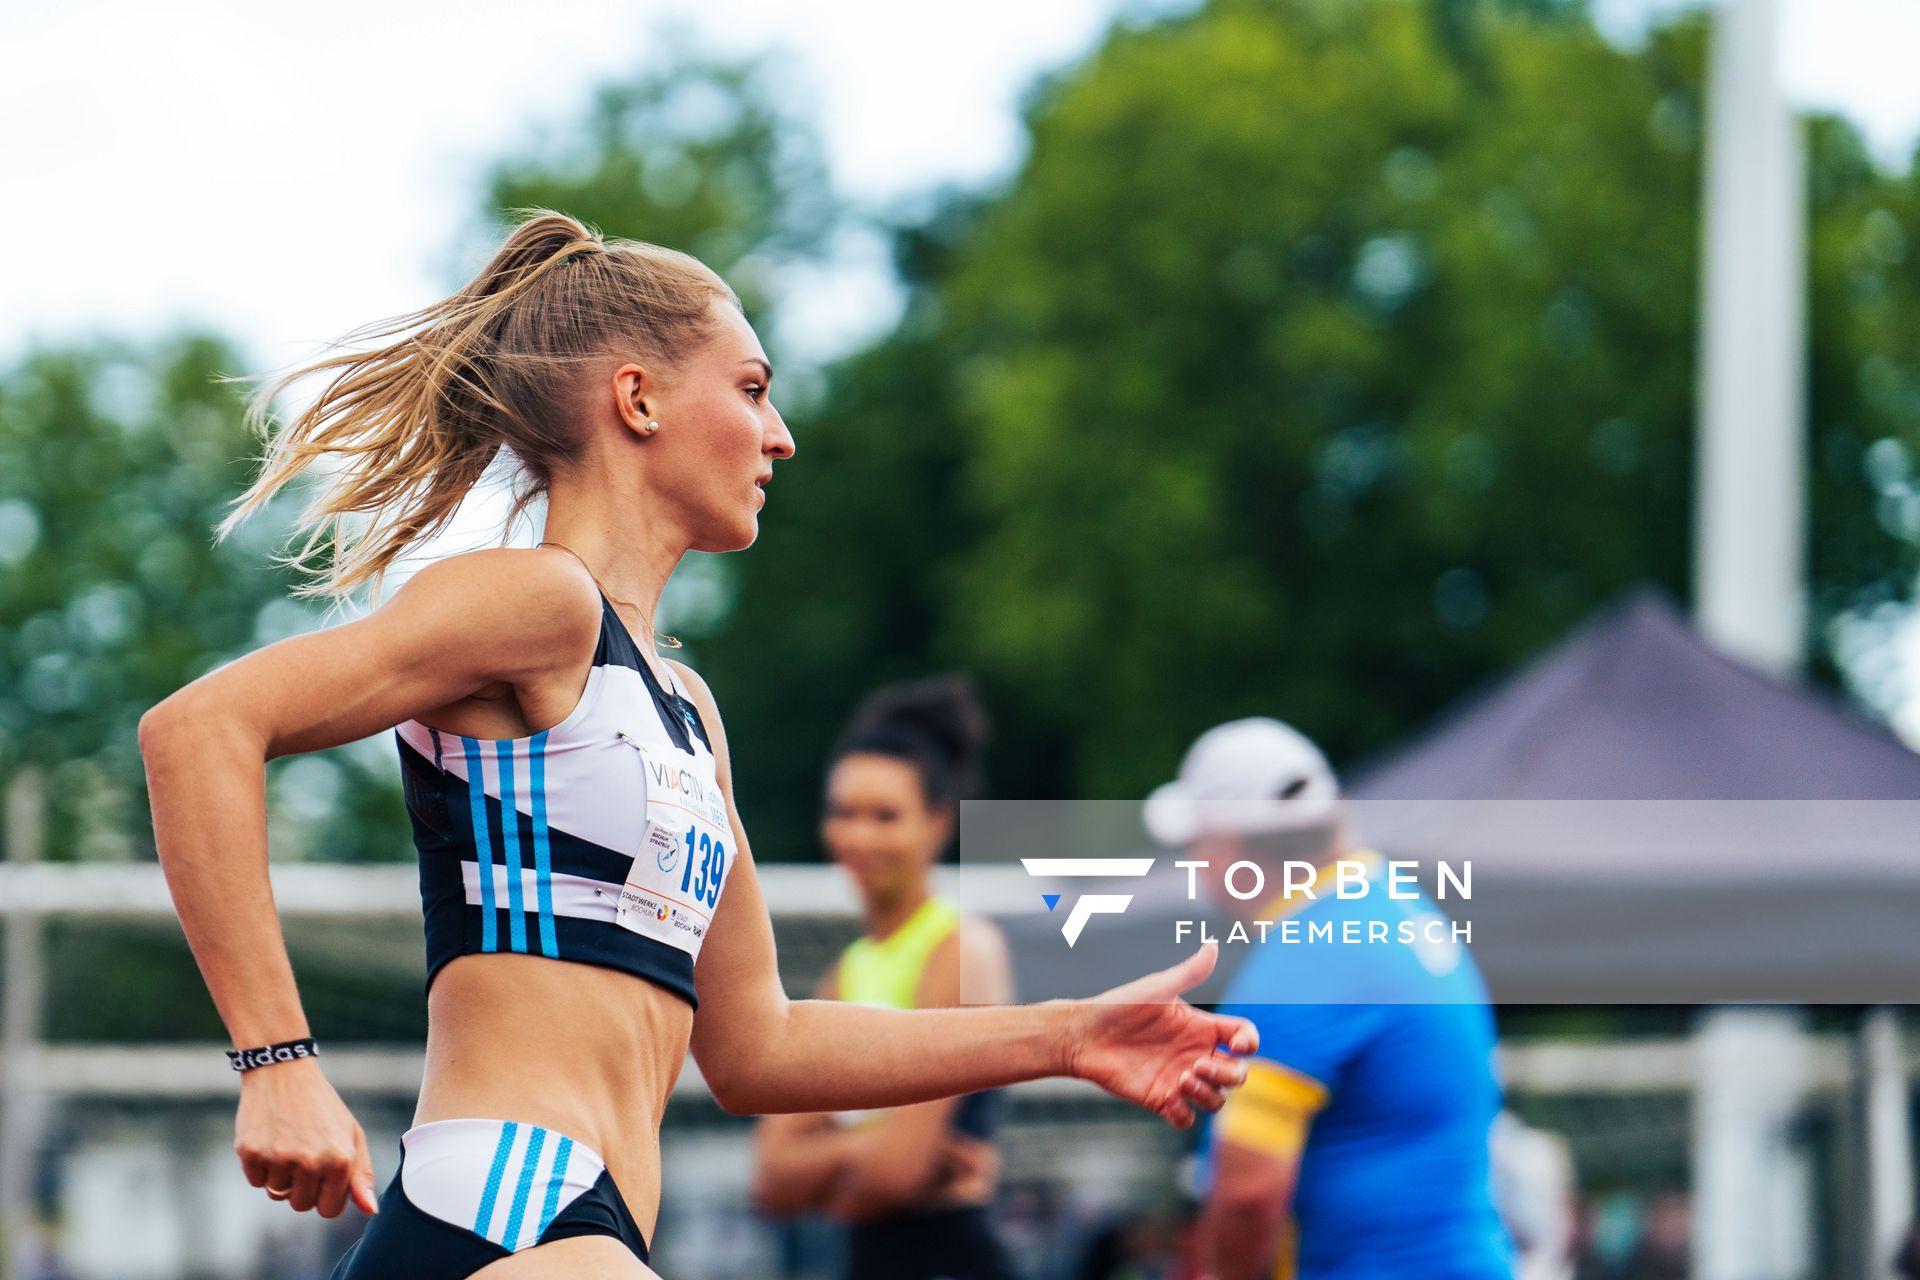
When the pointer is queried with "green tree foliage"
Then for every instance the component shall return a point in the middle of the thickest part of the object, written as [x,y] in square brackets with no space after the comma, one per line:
[1323,360]
[1311,374]
[1864,402]
[850,584]
[113,466]
[116,461]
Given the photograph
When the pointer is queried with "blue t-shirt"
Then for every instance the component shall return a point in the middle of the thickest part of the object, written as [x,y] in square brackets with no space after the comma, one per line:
[1394,1182]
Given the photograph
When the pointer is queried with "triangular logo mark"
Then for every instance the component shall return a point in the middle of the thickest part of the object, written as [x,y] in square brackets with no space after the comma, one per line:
[1051,899]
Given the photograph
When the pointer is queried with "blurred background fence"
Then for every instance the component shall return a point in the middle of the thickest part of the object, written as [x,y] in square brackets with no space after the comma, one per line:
[127,1122]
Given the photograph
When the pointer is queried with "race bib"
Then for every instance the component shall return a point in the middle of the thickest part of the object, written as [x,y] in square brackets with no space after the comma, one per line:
[685,852]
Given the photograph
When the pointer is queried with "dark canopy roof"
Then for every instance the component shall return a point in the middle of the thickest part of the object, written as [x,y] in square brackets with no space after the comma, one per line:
[1649,820]
[1635,705]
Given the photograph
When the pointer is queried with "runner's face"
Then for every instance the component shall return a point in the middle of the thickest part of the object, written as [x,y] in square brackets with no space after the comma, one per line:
[879,827]
[719,437]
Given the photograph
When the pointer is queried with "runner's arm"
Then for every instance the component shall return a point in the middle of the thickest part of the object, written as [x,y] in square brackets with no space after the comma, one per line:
[761,1052]
[444,635]
[797,1157]
[899,1161]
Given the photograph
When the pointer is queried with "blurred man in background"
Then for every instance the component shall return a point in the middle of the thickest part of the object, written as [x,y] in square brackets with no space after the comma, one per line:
[1358,1148]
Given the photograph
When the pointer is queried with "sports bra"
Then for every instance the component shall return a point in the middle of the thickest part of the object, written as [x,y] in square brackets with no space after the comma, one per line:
[887,971]
[603,840]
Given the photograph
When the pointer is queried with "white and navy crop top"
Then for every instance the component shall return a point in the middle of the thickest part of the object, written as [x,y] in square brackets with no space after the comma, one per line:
[603,840]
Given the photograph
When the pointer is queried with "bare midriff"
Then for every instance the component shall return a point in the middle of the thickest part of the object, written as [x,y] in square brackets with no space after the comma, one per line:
[582,1050]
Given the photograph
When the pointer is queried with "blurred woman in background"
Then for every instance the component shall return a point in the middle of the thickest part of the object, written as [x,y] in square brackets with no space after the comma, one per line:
[914,1182]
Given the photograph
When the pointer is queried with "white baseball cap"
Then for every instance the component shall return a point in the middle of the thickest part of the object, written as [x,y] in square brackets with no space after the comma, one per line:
[1242,778]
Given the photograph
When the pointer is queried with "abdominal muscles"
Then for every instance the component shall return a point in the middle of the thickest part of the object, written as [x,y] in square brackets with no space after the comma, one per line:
[589,1052]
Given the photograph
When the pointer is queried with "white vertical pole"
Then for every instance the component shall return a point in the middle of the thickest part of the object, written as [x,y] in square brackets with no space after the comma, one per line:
[1753,1188]
[1749,556]
[1888,1140]
[20,1100]
[1752,1183]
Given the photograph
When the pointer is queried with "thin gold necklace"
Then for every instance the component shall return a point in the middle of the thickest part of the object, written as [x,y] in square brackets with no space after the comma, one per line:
[654,637]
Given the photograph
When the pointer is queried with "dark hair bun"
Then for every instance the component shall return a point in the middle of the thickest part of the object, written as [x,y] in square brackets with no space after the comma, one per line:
[937,723]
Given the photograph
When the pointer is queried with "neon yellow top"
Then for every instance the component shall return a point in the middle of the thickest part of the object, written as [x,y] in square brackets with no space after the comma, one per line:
[886,971]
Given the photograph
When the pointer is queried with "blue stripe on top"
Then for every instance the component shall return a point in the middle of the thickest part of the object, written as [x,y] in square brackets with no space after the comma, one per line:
[482,843]
[510,1234]
[510,847]
[501,1151]
[542,865]
[554,1184]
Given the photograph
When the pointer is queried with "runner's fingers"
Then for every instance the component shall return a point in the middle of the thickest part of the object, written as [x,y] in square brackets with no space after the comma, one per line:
[1226,1072]
[1174,1109]
[364,1198]
[279,1179]
[1237,1034]
[360,1178]
[306,1188]
[1194,970]
[332,1196]
[1202,1095]
[256,1168]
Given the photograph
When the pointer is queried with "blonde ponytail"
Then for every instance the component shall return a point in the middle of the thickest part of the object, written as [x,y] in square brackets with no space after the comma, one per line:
[415,421]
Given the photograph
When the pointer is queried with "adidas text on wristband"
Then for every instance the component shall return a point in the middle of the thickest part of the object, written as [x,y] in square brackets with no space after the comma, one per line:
[268,1054]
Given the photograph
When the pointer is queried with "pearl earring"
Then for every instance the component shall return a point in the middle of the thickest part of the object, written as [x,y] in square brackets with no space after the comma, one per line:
[651,427]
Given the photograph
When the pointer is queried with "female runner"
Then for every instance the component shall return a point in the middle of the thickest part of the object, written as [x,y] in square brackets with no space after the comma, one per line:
[915,1181]
[569,793]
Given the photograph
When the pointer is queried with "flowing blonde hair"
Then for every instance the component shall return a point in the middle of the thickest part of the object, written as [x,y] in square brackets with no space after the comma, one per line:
[416,420]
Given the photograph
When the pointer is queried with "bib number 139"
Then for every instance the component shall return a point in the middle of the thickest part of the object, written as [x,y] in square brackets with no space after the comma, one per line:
[710,856]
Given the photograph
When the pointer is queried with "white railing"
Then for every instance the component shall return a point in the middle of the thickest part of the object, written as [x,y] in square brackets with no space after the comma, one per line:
[36,1076]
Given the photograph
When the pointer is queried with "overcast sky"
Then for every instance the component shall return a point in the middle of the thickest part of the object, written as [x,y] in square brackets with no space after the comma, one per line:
[281,174]
[284,173]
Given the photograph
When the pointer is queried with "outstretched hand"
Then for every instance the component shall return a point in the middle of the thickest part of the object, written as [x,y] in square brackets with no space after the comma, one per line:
[1143,1043]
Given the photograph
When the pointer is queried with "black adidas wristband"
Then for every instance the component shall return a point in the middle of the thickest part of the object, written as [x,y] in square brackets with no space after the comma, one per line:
[268,1054]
